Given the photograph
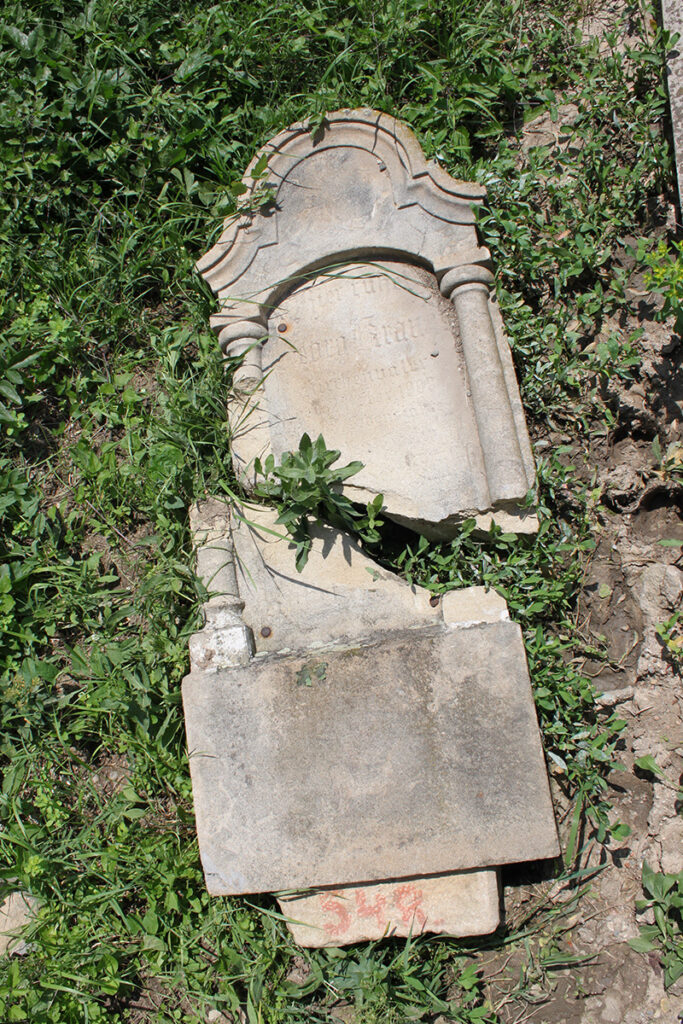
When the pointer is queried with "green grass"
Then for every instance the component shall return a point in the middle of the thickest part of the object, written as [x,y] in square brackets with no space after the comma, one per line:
[125,128]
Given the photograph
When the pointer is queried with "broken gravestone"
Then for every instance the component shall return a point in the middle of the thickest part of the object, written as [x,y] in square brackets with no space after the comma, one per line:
[370,752]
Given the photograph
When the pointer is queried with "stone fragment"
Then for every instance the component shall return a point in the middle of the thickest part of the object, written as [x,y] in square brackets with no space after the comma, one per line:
[342,603]
[658,591]
[340,595]
[378,337]
[15,914]
[246,562]
[472,605]
[461,903]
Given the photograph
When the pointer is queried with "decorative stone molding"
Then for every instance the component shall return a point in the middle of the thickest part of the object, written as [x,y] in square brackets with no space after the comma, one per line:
[467,286]
[384,208]
[225,641]
[243,341]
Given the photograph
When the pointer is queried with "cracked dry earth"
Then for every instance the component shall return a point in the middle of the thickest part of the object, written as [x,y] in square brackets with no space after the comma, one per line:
[632,584]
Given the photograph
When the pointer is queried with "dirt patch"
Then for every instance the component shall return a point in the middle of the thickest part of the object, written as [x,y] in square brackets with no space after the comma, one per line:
[125,553]
[579,968]
[111,774]
[632,584]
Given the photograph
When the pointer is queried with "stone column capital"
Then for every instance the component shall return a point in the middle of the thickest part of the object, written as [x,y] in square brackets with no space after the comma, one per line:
[241,330]
[469,274]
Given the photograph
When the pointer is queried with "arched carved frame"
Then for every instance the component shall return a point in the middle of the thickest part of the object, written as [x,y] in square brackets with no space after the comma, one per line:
[425,218]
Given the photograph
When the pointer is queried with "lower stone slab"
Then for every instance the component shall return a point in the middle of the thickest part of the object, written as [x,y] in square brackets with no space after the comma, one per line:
[419,752]
[458,904]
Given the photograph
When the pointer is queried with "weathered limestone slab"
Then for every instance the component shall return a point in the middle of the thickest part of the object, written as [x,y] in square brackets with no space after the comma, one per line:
[260,603]
[460,903]
[340,594]
[301,733]
[365,275]
[391,390]
[361,763]
[672,16]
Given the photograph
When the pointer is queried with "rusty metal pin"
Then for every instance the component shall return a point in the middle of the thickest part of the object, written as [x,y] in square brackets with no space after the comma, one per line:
[282,328]
[266,631]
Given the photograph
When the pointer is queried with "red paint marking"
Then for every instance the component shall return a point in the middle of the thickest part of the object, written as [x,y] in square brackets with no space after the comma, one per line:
[375,909]
[408,900]
[333,903]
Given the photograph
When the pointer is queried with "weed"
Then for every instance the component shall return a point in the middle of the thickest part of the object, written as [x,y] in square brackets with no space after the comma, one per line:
[648,764]
[669,462]
[665,935]
[670,634]
[305,484]
[313,671]
[665,276]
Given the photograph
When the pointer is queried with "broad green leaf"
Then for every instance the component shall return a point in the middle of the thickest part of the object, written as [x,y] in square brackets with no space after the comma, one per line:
[647,763]
[642,945]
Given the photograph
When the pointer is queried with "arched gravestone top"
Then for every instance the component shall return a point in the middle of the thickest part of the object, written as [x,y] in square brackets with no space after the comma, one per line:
[358,299]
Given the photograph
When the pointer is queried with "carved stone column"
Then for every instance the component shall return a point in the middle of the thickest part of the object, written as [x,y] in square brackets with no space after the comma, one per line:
[468,288]
[247,413]
[225,641]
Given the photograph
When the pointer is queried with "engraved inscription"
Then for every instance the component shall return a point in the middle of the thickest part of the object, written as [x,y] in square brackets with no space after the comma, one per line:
[403,335]
[372,360]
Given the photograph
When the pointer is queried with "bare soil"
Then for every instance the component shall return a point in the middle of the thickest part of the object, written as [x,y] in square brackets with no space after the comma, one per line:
[632,584]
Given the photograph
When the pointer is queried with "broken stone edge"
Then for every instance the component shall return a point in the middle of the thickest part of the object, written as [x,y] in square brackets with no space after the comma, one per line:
[672,16]
[221,880]
[459,904]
